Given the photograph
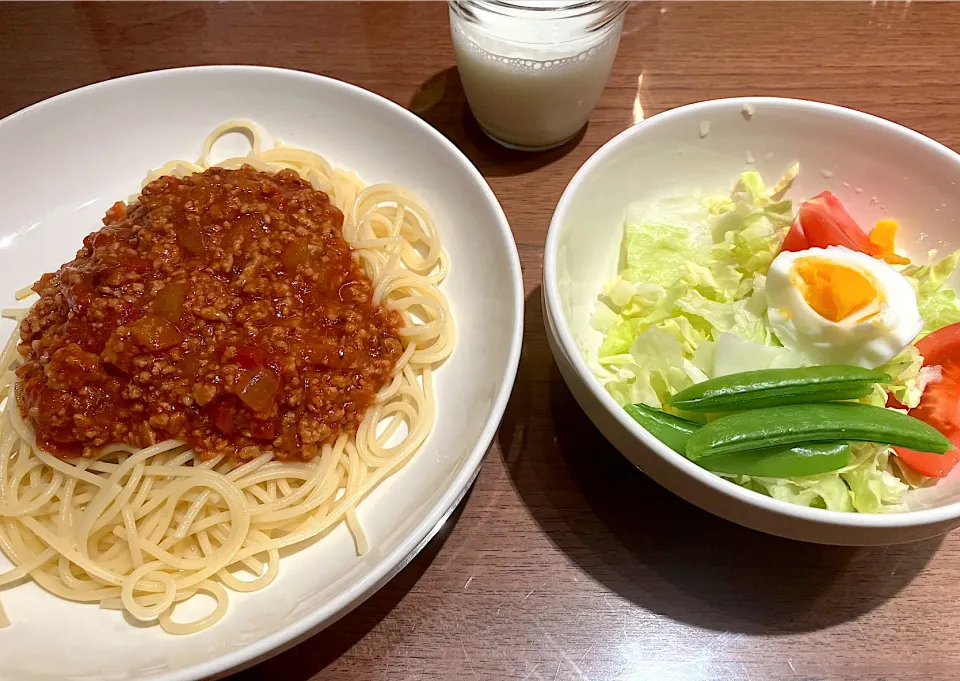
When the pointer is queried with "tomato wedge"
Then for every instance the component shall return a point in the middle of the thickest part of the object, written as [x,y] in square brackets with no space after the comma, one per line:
[796,240]
[823,221]
[940,404]
[931,465]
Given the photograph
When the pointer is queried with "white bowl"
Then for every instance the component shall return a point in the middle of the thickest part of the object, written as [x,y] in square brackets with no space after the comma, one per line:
[67,159]
[876,167]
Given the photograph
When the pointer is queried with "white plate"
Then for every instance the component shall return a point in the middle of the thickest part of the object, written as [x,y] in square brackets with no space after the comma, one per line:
[877,168]
[66,160]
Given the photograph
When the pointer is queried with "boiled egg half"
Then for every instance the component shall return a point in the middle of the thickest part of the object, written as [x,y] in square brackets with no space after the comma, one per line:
[838,306]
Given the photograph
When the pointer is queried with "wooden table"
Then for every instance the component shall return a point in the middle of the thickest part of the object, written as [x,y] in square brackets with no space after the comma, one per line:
[565,562]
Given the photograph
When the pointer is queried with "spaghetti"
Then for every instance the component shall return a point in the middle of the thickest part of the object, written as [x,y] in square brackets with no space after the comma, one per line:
[144,530]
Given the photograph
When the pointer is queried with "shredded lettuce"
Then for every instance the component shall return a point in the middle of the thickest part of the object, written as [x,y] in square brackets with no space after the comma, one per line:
[657,254]
[939,310]
[734,354]
[906,386]
[930,278]
[652,369]
[693,271]
[874,489]
[939,306]
[826,491]
[688,304]
[692,267]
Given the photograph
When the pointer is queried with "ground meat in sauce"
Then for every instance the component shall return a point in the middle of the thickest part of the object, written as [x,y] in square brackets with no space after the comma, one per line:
[224,308]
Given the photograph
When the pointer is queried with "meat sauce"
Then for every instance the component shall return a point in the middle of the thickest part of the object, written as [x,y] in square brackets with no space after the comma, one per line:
[224,309]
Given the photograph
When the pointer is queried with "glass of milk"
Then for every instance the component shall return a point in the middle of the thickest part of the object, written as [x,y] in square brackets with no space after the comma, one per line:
[533,70]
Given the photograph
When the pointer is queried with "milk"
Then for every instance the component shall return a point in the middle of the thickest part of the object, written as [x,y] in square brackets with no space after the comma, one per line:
[532,81]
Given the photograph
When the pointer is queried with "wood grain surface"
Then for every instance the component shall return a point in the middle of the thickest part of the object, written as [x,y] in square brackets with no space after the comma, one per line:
[565,562]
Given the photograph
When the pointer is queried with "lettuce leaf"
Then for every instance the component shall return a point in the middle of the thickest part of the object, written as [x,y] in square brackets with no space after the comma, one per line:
[693,267]
[657,253]
[873,489]
[652,370]
[827,491]
[938,306]
[906,385]
[939,310]
[930,278]
[733,354]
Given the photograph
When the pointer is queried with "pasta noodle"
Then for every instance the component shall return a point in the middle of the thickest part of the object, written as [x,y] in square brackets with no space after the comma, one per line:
[146,530]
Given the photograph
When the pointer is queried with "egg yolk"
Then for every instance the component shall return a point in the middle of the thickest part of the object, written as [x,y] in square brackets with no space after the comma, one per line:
[834,291]
[882,242]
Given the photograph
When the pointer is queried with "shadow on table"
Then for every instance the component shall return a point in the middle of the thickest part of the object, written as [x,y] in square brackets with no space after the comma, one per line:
[312,655]
[441,103]
[660,552]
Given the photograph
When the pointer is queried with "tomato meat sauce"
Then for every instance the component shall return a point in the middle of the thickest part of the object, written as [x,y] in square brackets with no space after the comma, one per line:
[224,309]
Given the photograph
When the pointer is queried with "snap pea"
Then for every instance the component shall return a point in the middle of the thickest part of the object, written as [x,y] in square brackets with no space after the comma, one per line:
[806,423]
[786,462]
[671,430]
[776,387]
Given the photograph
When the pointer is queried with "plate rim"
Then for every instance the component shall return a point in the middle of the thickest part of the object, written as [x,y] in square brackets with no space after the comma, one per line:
[359,590]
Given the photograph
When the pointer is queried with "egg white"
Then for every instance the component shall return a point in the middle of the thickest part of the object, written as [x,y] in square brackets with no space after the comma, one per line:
[868,337]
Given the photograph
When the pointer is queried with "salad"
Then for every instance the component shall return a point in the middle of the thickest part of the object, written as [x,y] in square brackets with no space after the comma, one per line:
[789,351]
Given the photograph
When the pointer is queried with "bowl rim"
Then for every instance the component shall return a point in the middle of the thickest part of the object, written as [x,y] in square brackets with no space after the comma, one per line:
[392,563]
[728,489]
